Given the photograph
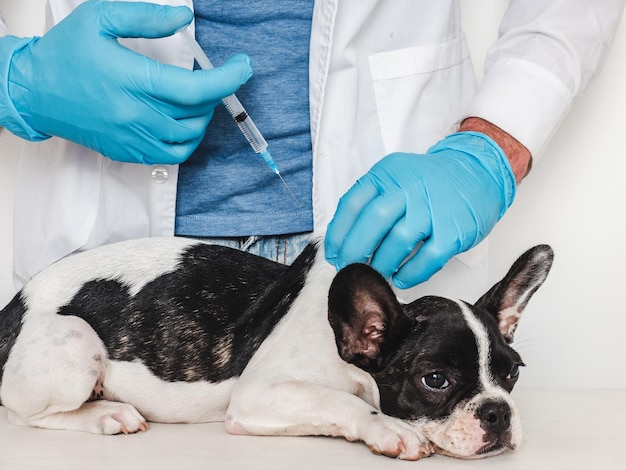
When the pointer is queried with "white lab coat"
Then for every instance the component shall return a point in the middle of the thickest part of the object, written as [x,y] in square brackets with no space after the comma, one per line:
[385,76]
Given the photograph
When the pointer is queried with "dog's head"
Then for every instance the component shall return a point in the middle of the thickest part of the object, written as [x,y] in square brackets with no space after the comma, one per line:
[444,365]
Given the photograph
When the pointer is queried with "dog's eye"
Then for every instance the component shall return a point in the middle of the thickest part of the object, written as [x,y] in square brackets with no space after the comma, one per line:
[435,381]
[514,373]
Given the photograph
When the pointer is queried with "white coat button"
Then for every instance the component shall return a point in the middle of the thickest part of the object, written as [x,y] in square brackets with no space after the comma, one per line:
[160,174]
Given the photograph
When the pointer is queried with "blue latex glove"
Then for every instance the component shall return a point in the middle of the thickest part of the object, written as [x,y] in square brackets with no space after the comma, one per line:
[449,198]
[79,83]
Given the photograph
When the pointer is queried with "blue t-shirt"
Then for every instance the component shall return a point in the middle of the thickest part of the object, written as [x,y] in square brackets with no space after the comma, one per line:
[225,189]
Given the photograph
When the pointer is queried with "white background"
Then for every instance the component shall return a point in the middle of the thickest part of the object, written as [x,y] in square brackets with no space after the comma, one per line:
[572,334]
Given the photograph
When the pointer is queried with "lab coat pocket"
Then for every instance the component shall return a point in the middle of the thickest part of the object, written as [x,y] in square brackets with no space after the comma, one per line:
[421,92]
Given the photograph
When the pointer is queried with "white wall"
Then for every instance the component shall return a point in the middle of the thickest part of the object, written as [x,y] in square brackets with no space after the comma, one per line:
[572,334]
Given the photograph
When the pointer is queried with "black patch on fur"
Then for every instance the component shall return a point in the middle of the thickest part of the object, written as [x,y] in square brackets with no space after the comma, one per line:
[424,352]
[366,317]
[202,321]
[10,327]
[402,393]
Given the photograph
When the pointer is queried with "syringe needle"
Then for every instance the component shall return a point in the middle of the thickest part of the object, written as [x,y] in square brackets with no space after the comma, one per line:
[265,155]
[288,188]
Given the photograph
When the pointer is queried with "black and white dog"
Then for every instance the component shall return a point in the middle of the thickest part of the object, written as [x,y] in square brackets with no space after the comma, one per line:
[174,330]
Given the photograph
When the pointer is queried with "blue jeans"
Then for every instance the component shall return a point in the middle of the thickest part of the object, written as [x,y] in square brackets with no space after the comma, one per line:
[281,248]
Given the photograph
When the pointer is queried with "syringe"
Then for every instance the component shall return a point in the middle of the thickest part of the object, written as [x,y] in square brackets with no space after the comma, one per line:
[238,113]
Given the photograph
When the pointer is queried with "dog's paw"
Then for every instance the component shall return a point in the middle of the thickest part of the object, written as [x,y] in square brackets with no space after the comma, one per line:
[97,417]
[116,418]
[395,438]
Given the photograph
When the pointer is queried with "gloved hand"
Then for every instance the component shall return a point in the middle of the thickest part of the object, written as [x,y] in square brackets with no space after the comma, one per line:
[449,198]
[79,83]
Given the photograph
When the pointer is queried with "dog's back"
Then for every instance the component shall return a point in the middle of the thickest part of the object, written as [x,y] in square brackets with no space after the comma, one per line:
[191,311]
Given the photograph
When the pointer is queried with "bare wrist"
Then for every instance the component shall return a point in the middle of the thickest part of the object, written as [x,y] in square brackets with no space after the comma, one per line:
[519,156]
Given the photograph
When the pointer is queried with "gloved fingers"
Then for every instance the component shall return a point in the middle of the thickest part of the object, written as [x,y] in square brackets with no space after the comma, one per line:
[180,131]
[173,154]
[172,142]
[151,151]
[181,92]
[399,243]
[141,19]
[371,227]
[429,259]
[348,209]
[168,85]
[363,218]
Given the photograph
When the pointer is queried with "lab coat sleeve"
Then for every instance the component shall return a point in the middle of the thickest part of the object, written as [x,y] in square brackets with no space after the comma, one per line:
[546,55]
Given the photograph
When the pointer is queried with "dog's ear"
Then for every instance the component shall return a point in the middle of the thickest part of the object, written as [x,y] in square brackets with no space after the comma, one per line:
[508,298]
[368,321]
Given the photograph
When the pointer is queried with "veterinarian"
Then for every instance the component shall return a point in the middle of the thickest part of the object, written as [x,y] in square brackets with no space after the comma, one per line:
[361,102]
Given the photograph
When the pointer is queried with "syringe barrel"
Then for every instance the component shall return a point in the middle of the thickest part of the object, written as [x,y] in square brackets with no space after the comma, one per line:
[245,123]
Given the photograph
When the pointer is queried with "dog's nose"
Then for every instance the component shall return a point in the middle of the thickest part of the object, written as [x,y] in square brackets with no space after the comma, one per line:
[495,416]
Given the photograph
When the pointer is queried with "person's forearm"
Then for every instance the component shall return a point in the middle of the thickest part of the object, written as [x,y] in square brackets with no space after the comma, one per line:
[518,155]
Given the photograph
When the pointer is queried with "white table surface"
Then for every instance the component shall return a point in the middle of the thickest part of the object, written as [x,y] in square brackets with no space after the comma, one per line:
[564,429]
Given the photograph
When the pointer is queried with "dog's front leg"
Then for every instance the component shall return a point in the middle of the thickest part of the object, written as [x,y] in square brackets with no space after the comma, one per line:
[299,408]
